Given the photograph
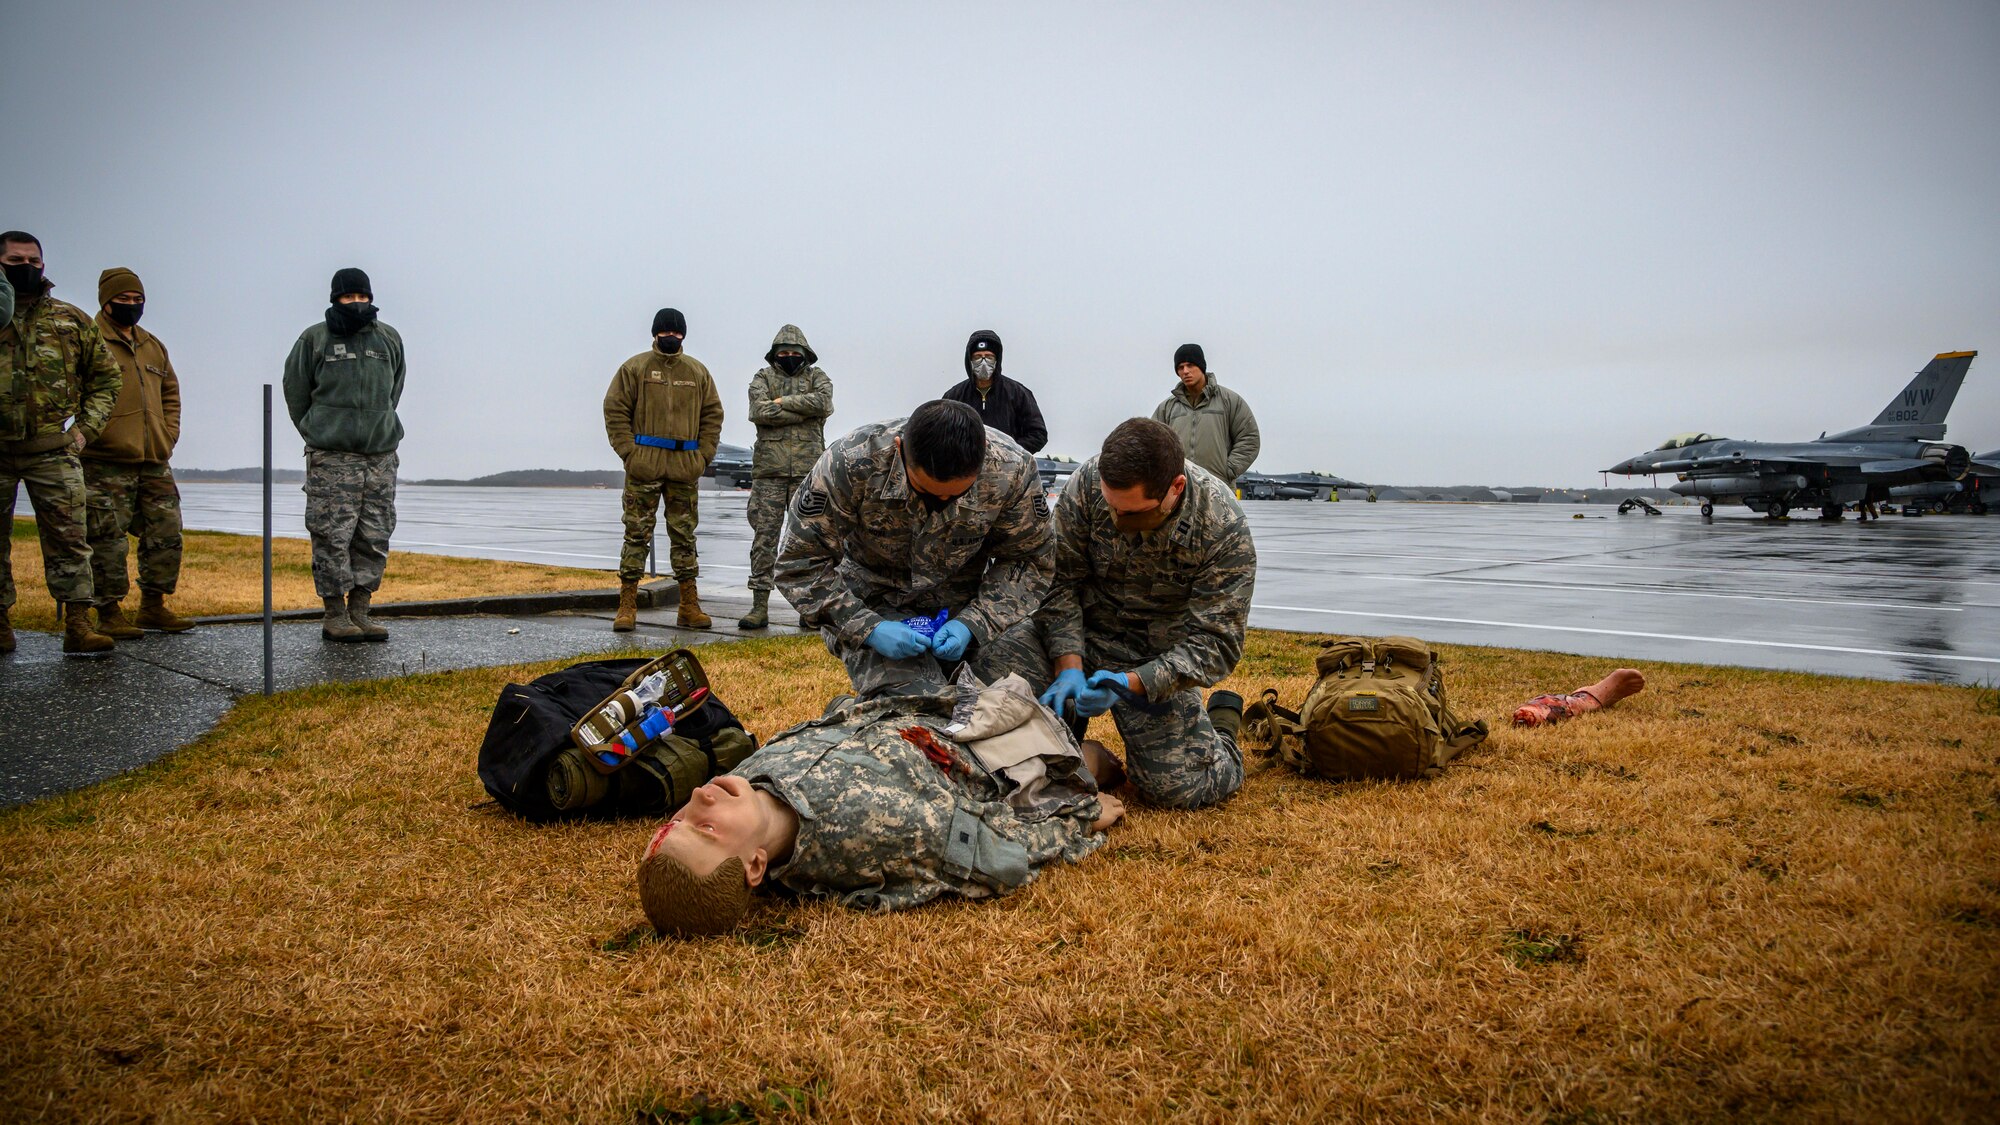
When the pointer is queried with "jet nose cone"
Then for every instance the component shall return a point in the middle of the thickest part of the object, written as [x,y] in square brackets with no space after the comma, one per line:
[1624,467]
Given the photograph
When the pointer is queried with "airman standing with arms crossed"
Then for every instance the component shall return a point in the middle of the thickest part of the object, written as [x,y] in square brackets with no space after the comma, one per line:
[906,518]
[790,401]
[131,484]
[57,386]
[664,419]
[1154,570]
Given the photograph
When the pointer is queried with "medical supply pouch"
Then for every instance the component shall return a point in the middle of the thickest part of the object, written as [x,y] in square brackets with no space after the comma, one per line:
[1377,711]
[531,764]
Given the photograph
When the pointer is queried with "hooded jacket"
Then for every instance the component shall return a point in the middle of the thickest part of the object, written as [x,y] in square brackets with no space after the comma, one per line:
[790,435]
[1005,405]
[663,396]
[1218,433]
[145,423]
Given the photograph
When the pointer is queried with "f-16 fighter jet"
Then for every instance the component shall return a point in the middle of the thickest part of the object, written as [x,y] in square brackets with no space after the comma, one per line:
[1903,446]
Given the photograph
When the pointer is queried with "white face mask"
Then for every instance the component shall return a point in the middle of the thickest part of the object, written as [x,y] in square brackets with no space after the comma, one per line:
[983,368]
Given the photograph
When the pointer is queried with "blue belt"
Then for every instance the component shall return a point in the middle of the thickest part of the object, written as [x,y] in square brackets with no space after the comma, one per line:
[665,443]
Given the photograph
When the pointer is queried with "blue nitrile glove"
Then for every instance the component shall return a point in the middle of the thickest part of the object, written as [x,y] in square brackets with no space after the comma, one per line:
[897,641]
[1069,684]
[1103,690]
[950,641]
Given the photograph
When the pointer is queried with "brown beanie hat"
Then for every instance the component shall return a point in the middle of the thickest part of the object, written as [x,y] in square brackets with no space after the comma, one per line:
[117,280]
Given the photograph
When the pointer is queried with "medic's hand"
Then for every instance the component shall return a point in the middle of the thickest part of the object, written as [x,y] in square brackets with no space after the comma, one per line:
[1099,695]
[951,641]
[897,641]
[1069,684]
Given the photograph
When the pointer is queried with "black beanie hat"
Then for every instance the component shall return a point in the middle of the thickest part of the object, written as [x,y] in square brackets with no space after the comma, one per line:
[350,280]
[670,320]
[1190,353]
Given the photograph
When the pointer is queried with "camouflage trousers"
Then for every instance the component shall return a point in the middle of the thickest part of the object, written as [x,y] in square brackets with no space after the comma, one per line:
[55,488]
[1176,759]
[140,500]
[350,513]
[769,497]
[682,510]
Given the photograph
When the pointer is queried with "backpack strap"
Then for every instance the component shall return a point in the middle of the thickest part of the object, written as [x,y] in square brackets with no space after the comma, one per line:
[1267,723]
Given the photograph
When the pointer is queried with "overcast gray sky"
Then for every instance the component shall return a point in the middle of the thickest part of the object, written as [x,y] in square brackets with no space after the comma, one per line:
[1430,242]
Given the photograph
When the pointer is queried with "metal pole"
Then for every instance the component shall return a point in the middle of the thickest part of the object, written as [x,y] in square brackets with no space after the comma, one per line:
[267,539]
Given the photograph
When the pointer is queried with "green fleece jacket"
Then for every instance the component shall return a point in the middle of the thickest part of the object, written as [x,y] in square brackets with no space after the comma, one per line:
[342,391]
[1218,432]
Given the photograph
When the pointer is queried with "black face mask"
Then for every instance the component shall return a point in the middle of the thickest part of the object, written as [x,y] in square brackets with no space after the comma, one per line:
[346,320]
[26,280]
[790,364]
[125,315]
[668,345]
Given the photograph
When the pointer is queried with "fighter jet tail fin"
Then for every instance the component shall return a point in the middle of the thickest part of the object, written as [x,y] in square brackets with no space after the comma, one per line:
[1918,410]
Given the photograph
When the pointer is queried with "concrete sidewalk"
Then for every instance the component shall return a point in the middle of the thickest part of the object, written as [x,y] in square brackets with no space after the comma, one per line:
[67,723]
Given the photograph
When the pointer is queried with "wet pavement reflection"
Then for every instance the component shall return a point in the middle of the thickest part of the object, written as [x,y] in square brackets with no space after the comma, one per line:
[1911,598]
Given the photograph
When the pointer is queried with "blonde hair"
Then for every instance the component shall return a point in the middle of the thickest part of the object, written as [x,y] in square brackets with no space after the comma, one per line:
[680,903]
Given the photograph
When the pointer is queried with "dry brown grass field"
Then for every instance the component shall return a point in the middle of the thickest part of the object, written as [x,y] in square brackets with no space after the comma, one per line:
[224,573]
[1737,896]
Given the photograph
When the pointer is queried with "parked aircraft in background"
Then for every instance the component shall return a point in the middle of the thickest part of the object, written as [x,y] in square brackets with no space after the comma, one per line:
[1292,486]
[1903,446]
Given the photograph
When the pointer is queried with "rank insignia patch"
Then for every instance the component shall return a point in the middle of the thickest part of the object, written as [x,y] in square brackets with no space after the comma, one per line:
[812,502]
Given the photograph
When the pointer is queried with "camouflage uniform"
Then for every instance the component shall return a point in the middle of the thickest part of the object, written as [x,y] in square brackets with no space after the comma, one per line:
[350,514]
[342,392]
[678,504]
[789,439]
[860,548]
[133,500]
[132,489]
[883,828]
[1170,605]
[662,398]
[53,366]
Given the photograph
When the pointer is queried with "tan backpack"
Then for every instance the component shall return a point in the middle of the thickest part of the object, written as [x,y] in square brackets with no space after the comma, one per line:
[1377,710]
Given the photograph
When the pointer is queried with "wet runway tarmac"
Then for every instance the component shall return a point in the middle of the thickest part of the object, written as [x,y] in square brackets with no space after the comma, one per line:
[1905,598]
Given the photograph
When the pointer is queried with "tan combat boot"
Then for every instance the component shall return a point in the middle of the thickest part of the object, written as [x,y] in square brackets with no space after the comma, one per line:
[691,616]
[154,614]
[336,626]
[760,611]
[628,607]
[112,622]
[79,639]
[357,612]
[6,633]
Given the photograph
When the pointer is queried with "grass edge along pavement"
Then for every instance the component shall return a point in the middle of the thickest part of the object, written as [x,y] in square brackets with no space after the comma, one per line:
[1740,893]
[222,582]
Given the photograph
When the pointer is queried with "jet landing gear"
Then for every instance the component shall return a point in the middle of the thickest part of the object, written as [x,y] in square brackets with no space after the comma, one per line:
[1777,509]
[1708,509]
[1833,513]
